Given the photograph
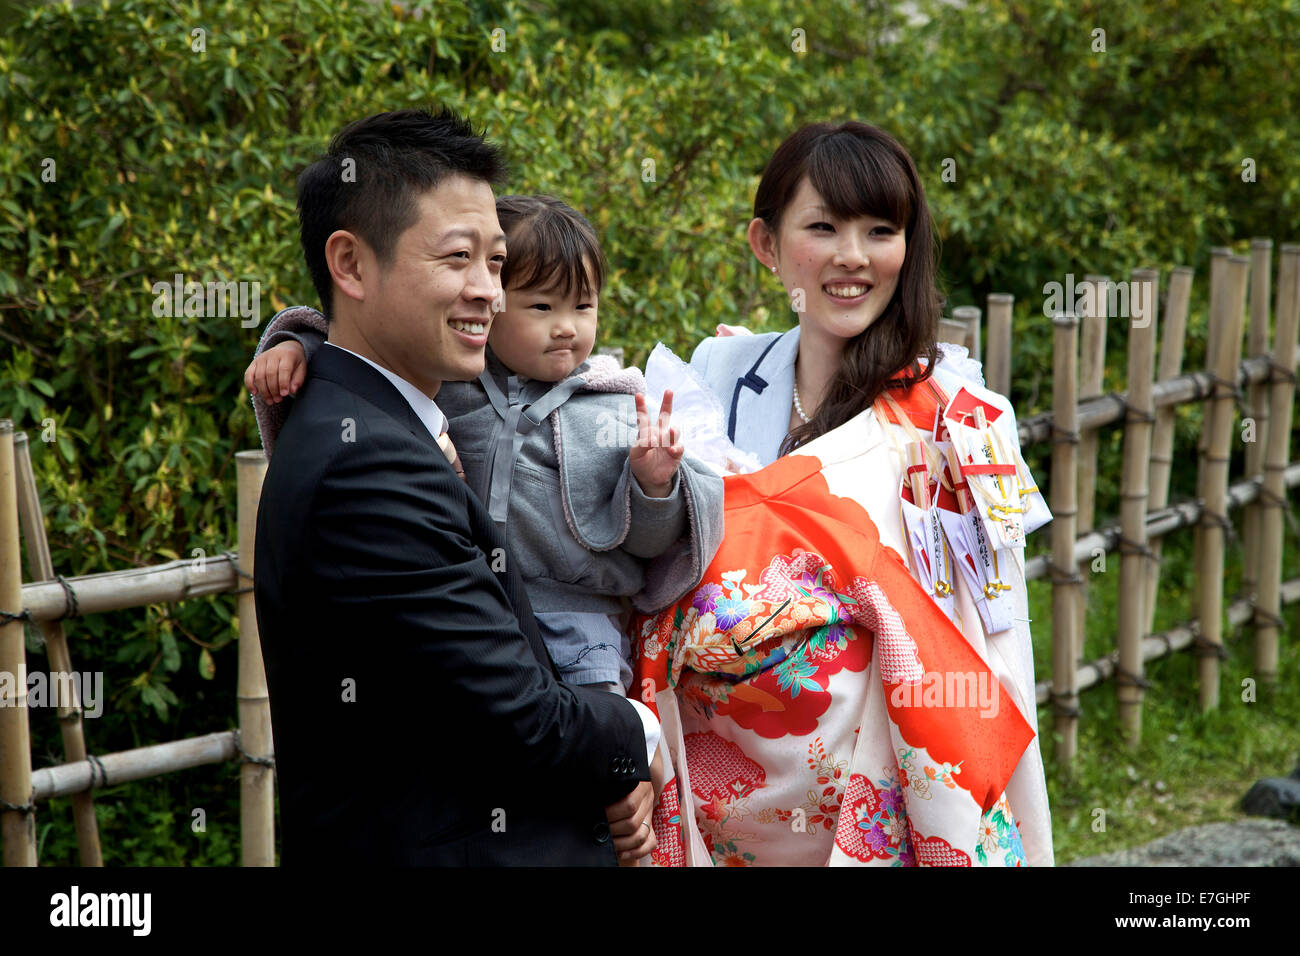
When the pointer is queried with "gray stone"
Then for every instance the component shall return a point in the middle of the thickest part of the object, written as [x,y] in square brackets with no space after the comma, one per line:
[1243,843]
[1277,797]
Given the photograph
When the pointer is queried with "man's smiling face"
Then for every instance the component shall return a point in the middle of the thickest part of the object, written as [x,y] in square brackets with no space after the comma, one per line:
[427,314]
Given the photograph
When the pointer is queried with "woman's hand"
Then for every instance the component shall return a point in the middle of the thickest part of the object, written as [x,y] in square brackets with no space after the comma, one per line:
[277,372]
[657,452]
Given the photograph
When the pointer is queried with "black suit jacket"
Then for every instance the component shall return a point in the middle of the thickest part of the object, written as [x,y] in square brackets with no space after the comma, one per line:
[417,716]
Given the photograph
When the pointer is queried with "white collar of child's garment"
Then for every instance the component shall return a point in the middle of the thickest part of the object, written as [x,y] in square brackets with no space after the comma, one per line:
[425,408]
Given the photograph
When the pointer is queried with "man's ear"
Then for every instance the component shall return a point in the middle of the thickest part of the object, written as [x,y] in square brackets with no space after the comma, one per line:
[350,262]
[763,242]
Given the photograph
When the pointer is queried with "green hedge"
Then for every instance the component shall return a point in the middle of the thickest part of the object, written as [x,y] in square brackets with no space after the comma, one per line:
[167,159]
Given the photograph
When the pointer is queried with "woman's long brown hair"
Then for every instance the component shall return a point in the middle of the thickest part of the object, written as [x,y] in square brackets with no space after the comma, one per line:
[859,170]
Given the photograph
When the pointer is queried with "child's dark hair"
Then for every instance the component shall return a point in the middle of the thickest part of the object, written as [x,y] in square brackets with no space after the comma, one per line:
[371,177]
[549,245]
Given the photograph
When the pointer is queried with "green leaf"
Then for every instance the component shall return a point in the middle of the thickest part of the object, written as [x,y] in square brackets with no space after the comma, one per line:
[113,225]
[171,659]
[207,667]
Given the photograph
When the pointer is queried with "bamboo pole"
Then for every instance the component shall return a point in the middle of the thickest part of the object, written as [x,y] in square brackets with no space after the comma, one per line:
[1185,514]
[1173,336]
[1191,386]
[1214,483]
[71,729]
[256,781]
[1219,257]
[954,332]
[969,316]
[1129,681]
[133,587]
[1156,646]
[1092,370]
[17,811]
[997,369]
[1218,279]
[1281,395]
[1065,581]
[138,764]
[1261,269]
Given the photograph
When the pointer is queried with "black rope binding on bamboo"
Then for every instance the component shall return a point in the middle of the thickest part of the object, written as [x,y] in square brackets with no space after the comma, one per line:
[1063,435]
[1134,415]
[71,608]
[1204,647]
[1233,387]
[98,775]
[1221,520]
[233,558]
[1280,373]
[1126,678]
[1263,616]
[1277,501]
[1061,576]
[246,757]
[1127,546]
[18,807]
[1062,706]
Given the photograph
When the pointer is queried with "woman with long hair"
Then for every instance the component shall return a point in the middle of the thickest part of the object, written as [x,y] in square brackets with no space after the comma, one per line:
[834,691]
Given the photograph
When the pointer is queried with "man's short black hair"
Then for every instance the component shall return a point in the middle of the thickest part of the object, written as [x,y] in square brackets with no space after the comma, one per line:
[371,178]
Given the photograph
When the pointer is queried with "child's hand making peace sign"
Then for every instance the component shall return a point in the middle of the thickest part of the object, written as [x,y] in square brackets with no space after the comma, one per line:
[658,450]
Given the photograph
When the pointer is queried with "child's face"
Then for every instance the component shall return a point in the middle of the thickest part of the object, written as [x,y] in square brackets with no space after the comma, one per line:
[544,335]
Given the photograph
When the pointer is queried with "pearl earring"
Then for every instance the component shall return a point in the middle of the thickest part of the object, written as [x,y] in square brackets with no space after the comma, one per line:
[773,270]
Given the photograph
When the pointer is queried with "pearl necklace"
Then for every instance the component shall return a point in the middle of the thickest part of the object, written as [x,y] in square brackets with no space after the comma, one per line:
[798,408]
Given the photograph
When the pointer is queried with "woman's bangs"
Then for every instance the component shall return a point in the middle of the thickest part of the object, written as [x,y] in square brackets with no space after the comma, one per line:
[859,178]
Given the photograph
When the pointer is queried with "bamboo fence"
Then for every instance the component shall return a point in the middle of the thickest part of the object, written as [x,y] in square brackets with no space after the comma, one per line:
[47,600]
[1080,410]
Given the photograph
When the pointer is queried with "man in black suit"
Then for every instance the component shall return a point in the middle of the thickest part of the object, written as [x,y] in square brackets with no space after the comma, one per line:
[418,718]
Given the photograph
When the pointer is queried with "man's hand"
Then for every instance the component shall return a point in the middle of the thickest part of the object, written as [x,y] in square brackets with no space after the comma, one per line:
[277,372]
[657,452]
[629,823]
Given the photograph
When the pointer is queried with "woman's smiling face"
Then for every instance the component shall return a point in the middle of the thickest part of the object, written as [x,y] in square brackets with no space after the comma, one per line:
[840,274]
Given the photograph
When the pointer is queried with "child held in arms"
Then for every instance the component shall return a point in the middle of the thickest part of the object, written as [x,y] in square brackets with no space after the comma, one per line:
[600,506]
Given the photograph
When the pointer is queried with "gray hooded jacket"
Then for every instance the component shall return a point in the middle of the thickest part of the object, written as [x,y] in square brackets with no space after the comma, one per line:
[587,540]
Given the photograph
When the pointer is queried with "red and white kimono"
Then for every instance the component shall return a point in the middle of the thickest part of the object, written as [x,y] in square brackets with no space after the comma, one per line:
[818,707]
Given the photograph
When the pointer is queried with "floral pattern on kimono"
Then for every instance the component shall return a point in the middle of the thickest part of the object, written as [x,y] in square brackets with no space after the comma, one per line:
[780,692]
[790,654]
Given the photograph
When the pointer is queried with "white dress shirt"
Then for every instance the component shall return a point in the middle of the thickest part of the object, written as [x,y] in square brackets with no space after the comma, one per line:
[425,408]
